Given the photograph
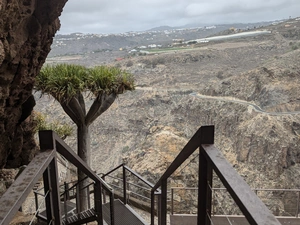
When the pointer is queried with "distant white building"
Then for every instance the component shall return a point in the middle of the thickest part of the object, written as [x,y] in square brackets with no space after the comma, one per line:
[133,51]
[152,46]
[210,27]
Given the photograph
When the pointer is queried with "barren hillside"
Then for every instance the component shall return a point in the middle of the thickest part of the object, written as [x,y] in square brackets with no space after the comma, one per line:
[248,88]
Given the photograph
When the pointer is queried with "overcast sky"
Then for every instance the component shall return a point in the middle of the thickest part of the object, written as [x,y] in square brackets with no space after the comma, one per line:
[116,16]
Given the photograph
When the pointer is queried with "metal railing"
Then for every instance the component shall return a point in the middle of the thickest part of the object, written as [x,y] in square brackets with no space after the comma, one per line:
[45,165]
[130,187]
[268,196]
[211,159]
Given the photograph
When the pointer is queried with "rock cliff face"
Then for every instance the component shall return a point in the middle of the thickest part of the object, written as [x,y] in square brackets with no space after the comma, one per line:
[27,28]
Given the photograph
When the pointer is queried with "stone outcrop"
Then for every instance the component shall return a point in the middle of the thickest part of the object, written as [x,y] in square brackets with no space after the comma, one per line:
[27,28]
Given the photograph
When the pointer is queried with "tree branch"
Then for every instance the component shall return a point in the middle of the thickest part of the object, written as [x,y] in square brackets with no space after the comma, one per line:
[77,109]
[81,102]
[70,112]
[100,105]
[94,108]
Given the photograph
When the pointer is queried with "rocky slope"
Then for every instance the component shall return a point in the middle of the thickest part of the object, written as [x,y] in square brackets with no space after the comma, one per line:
[147,128]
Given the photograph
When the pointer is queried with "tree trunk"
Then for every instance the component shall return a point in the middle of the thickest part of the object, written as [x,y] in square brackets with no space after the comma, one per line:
[83,138]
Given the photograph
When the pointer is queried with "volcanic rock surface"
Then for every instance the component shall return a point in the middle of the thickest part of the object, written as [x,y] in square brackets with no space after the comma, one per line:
[27,28]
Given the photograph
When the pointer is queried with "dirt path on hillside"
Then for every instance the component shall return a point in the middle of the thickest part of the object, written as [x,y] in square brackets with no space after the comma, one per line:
[255,107]
[239,101]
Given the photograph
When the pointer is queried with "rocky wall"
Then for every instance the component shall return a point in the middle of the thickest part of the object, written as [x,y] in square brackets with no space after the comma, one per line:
[27,28]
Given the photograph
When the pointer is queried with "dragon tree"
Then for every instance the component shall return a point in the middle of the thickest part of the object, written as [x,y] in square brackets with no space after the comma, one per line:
[68,84]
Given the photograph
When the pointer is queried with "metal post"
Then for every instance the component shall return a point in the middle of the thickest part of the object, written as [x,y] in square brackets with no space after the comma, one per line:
[47,194]
[213,202]
[103,193]
[98,202]
[204,190]
[66,185]
[124,186]
[55,195]
[159,209]
[112,209]
[36,201]
[298,201]
[65,206]
[164,202]
[172,201]
[152,207]
[88,196]
[77,199]
[52,194]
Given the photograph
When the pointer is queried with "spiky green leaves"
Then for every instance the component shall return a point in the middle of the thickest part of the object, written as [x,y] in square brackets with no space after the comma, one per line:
[64,81]
[109,80]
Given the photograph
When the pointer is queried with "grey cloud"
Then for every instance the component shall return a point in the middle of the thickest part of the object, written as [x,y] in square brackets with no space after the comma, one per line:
[100,16]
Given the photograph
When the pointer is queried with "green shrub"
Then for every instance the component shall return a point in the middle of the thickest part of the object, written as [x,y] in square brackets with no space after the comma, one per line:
[129,63]
[295,47]
[63,130]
